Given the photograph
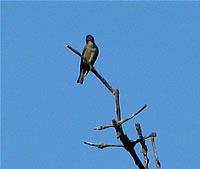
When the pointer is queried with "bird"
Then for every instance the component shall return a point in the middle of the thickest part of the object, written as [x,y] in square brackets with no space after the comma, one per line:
[90,53]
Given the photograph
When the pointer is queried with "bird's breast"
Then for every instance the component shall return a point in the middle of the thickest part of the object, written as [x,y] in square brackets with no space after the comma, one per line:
[91,54]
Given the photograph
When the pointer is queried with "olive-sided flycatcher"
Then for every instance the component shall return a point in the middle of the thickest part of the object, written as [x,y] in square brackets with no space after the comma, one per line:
[90,52]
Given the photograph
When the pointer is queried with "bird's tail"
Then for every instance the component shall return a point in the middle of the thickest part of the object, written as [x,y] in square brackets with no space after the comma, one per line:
[82,75]
[80,78]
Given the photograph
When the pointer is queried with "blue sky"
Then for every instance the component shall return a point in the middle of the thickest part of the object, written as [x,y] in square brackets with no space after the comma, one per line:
[150,51]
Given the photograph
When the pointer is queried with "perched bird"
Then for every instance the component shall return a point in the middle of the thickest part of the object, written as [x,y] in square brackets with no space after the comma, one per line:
[90,53]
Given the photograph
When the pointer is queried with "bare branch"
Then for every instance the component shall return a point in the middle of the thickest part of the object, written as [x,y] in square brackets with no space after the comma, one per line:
[102,145]
[144,147]
[144,138]
[121,121]
[151,135]
[103,127]
[155,153]
[133,115]
[117,105]
[74,50]
[113,91]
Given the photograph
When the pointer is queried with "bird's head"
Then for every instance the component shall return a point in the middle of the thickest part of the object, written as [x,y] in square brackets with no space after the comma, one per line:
[89,38]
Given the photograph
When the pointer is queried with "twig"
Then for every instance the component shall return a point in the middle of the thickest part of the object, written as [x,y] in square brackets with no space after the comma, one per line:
[121,121]
[117,105]
[102,145]
[144,138]
[113,91]
[74,50]
[155,153]
[144,147]
[133,115]
[103,127]
[151,135]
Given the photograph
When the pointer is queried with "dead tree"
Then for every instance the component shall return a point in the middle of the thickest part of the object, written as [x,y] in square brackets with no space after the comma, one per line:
[127,144]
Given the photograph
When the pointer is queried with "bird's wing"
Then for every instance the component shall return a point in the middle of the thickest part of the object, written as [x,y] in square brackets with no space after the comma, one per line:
[83,50]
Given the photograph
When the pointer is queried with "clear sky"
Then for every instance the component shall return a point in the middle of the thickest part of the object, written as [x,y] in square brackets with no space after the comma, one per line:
[150,51]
